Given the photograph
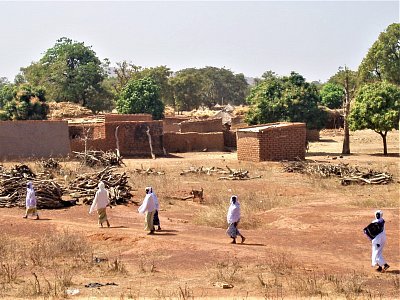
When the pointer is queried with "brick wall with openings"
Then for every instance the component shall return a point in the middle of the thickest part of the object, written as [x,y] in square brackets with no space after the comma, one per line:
[272,142]
[193,141]
[33,139]
[204,126]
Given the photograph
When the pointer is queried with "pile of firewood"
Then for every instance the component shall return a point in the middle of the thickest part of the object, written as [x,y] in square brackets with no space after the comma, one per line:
[346,173]
[148,171]
[13,185]
[83,187]
[231,174]
[99,158]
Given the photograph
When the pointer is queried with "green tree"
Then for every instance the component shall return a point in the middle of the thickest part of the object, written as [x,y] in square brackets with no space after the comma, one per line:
[347,79]
[6,94]
[382,61]
[376,107]
[141,96]
[126,71]
[188,86]
[288,98]
[70,71]
[28,103]
[332,95]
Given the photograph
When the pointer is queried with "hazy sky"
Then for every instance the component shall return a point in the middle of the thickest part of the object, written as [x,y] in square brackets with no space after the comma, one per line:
[312,38]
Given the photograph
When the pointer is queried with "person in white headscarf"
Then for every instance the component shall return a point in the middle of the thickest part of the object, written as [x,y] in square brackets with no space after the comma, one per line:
[156,220]
[233,218]
[148,208]
[31,201]
[378,243]
[100,203]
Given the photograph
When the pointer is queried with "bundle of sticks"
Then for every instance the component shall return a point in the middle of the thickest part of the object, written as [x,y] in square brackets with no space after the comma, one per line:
[148,171]
[99,158]
[13,188]
[346,173]
[232,174]
[83,187]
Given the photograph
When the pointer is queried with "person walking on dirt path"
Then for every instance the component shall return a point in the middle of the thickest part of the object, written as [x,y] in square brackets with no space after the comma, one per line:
[31,201]
[376,233]
[233,218]
[156,220]
[148,208]
[100,203]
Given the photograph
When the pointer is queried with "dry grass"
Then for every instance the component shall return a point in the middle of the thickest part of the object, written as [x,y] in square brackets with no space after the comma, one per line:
[227,271]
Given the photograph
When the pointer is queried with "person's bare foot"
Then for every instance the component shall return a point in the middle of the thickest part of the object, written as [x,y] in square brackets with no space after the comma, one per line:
[25,217]
[243,239]
[37,217]
[233,242]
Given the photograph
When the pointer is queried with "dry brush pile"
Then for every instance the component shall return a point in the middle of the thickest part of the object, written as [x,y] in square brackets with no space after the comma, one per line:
[347,174]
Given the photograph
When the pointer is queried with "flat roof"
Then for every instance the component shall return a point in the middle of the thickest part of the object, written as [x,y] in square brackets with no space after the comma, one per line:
[262,127]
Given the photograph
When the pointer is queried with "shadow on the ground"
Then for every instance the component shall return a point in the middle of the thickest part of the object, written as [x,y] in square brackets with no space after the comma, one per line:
[249,244]
[161,233]
[42,219]
[325,141]
[388,155]
[310,153]
[120,226]
[393,271]
[166,230]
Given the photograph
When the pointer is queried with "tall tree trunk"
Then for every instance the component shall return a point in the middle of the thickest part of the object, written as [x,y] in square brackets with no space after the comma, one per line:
[346,140]
[383,135]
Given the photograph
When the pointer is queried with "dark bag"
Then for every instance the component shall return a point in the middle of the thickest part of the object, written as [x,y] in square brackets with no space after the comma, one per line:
[373,229]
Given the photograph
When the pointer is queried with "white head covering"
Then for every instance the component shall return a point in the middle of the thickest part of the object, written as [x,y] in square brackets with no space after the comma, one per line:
[378,214]
[101,185]
[234,210]
[156,203]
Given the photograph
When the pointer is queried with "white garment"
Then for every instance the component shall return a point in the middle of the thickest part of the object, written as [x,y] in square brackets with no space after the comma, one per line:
[233,211]
[100,199]
[148,204]
[156,203]
[30,197]
[377,252]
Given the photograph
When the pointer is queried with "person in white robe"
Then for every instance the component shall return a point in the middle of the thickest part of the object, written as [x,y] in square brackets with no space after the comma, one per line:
[378,243]
[31,201]
[233,218]
[148,208]
[156,219]
[100,203]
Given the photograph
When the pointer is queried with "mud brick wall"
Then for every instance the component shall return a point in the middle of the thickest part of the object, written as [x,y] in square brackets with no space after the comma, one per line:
[286,142]
[171,124]
[91,130]
[132,136]
[33,139]
[208,125]
[230,138]
[193,141]
[312,135]
[133,139]
[127,117]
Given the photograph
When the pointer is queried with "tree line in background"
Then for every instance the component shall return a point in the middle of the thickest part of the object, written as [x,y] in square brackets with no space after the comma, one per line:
[71,71]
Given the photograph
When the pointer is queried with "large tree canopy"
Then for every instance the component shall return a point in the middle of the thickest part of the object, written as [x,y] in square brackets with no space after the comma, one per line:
[377,107]
[141,96]
[382,61]
[70,71]
[288,98]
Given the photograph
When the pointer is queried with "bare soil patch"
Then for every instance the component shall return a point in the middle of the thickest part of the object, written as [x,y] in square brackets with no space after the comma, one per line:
[304,234]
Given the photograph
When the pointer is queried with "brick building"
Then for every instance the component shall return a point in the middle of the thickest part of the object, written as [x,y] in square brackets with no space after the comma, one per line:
[274,142]
[131,133]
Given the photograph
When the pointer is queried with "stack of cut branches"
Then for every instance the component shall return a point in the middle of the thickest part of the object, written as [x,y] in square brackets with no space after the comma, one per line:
[99,158]
[84,187]
[49,164]
[346,173]
[13,188]
[148,171]
[232,174]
